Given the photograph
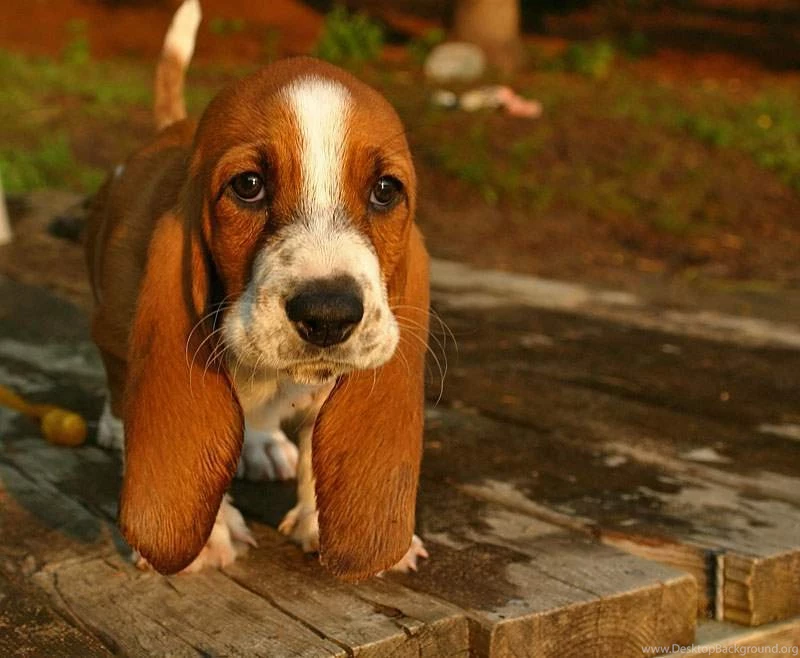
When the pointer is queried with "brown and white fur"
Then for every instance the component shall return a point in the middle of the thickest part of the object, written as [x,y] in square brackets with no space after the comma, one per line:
[195,282]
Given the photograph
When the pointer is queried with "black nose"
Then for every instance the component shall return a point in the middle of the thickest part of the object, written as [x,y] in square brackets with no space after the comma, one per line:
[326,312]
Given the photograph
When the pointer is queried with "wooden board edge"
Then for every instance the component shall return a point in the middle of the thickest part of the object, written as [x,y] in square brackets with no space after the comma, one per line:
[759,591]
[714,636]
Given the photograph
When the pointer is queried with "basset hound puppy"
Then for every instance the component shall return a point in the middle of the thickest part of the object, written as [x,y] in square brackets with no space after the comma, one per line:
[261,264]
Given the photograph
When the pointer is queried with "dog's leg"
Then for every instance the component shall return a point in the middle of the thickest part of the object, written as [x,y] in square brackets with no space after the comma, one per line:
[110,432]
[267,455]
[301,524]
[410,560]
[229,538]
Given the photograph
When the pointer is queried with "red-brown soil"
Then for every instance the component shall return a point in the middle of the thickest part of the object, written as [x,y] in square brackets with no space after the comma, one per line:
[137,28]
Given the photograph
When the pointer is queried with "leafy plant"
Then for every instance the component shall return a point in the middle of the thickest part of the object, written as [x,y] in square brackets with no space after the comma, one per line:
[592,59]
[77,49]
[226,26]
[49,105]
[349,37]
[636,45]
[50,164]
[766,126]
[706,128]
[421,47]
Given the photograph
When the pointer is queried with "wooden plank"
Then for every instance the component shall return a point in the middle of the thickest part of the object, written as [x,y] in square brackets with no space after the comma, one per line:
[682,521]
[373,619]
[682,478]
[146,614]
[55,532]
[390,620]
[39,525]
[68,470]
[760,590]
[29,627]
[780,638]
[426,628]
[528,587]
[676,394]
[532,589]
[460,286]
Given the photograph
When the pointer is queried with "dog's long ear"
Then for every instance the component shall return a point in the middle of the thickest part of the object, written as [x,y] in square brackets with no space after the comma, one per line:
[367,443]
[183,422]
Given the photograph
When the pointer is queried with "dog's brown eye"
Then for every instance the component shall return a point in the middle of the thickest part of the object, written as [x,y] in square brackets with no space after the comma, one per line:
[248,186]
[385,193]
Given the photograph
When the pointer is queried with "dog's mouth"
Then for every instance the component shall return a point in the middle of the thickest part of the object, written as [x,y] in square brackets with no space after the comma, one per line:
[317,372]
[304,363]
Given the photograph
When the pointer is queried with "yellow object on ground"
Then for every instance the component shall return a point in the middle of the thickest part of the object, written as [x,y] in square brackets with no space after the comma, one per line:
[59,426]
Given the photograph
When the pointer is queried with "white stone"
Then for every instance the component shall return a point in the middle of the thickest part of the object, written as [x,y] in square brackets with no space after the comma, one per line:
[455,60]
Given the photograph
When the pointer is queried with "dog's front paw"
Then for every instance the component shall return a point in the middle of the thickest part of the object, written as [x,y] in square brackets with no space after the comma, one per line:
[110,431]
[410,560]
[301,526]
[229,538]
[267,456]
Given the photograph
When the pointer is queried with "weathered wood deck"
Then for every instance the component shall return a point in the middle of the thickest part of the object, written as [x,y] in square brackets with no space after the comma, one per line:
[592,486]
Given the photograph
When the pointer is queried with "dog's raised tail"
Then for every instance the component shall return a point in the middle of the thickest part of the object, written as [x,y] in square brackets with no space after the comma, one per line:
[178,47]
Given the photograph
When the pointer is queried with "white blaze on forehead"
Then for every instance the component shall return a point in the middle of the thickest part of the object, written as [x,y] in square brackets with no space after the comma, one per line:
[321,108]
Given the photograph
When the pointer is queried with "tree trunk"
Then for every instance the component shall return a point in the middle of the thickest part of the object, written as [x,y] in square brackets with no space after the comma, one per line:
[494,25]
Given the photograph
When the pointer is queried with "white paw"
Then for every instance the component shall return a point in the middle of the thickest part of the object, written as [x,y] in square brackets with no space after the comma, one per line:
[301,525]
[140,562]
[110,432]
[409,561]
[229,538]
[267,456]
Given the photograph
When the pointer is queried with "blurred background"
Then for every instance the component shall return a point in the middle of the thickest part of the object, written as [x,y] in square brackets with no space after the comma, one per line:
[659,150]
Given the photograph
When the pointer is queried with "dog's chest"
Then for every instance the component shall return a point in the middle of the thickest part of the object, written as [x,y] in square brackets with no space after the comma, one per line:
[267,400]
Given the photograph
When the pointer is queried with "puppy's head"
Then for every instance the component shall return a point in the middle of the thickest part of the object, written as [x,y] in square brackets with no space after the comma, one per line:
[295,234]
[309,191]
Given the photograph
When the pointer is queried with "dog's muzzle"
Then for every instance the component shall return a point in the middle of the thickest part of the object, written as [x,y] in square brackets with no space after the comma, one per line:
[327,311]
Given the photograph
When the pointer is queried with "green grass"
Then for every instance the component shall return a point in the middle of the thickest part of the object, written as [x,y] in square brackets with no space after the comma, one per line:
[593,59]
[38,96]
[77,51]
[349,38]
[100,86]
[420,48]
[499,175]
[226,26]
[662,168]
[49,164]
[765,126]
[271,43]
[47,104]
